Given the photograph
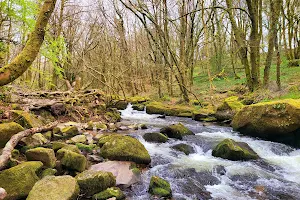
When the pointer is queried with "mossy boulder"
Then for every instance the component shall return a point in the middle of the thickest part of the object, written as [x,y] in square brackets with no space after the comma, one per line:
[166,109]
[138,107]
[55,188]
[46,156]
[58,145]
[92,182]
[7,130]
[155,137]
[120,104]
[160,187]
[113,192]
[72,160]
[232,150]
[123,148]
[35,140]
[48,172]
[185,148]
[88,148]
[277,121]
[228,108]
[176,131]
[113,116]
[96,125]
[26,119]
[69,131]
[19,180]
[78,139]
[138,99]
[72,148]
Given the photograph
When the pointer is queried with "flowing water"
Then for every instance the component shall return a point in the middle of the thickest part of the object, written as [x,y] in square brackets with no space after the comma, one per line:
[201,176]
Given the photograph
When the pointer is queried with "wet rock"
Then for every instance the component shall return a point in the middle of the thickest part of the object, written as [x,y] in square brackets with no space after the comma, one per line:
[69,131]
[35,140]
[123,171]
[177,131]
[219,169]
[48,172]
[228,109]
[46,156]
[72,160]
[26,120]
[187,149]
[231,150]
[155,137]
[120,104]
[277,121]
[19,180]
[143,126]
[160,187]
[112,192]
[92,182]
[55,188]
[138,107]
[7,130]
[58,109]
[78,139]
[119,147]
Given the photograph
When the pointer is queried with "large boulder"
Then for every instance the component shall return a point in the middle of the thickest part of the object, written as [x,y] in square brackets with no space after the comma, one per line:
[277,121]
[232,150]
[176,131]
[125,174]
[7,130]
[55,188]
[110,193]
[46,156]
[72,160]
[123,148]
[155,137]
[166,109]
[26,119]
[160,187]
[19,180]
[228,108]
[92,182]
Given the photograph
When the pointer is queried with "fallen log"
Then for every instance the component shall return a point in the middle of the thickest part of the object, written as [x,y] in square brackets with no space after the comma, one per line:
[10,145]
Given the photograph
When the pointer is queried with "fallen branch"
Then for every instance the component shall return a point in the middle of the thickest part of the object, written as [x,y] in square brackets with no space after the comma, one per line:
[10,145]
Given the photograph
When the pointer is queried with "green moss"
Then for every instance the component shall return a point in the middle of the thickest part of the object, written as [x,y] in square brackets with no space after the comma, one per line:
[58,145]
[138,99]
[113,116]
[69,131]
[160,187]
[92,182]
[231,150]
[110,193]
[35,140]
[46,156]
[96,125]
[123,148]
[176,131]
[55,188]
[16,106]
[72,160]
[48,135]
[88,148]
[166,109]
[7,130]
[155,137]
[25,119]
[231,103]
[187,149]
[19,180]
[138,107]
[77,139]
[48,172]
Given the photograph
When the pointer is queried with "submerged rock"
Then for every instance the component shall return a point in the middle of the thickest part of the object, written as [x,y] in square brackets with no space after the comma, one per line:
[228,109]
[187,149]
[72,160]
[277,121]
[232,150]
[55,188]
[19,180]
[7,130]
[46,156]
[176,131]
[112,192]
[25,119]
[92,182]
[123,148]
[123,171]
[155,137]
[160,187]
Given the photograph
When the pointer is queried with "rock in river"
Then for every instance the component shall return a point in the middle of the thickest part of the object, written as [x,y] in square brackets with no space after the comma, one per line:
[155,137]
[160,187]
[176,131]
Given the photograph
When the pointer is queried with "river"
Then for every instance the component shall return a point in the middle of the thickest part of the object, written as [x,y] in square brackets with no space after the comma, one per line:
[201,176]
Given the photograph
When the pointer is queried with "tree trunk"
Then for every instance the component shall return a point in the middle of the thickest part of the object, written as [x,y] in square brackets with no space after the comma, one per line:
[22,62]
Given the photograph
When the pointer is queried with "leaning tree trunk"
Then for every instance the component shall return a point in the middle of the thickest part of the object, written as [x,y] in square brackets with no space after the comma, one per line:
[20,64]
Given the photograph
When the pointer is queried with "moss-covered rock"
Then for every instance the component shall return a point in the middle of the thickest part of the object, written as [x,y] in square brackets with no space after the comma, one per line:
[155,137]
[78,139]
[25,119]
[19,180]
[72,160]
[72,147]
[232,150]
[123,148]
[55,188]
[138,107]
[48,172]
[166,109]
[119,104]
[110,193]
[88,148]
[92,182]
[46,156]
[187,149]
[96,125]
[138,99]
[276,121]
[35,140]
[176,131]
[113,116]
[69,131]
[7,130]
[143,126]
[228,108]
[160,187]
[58,145]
